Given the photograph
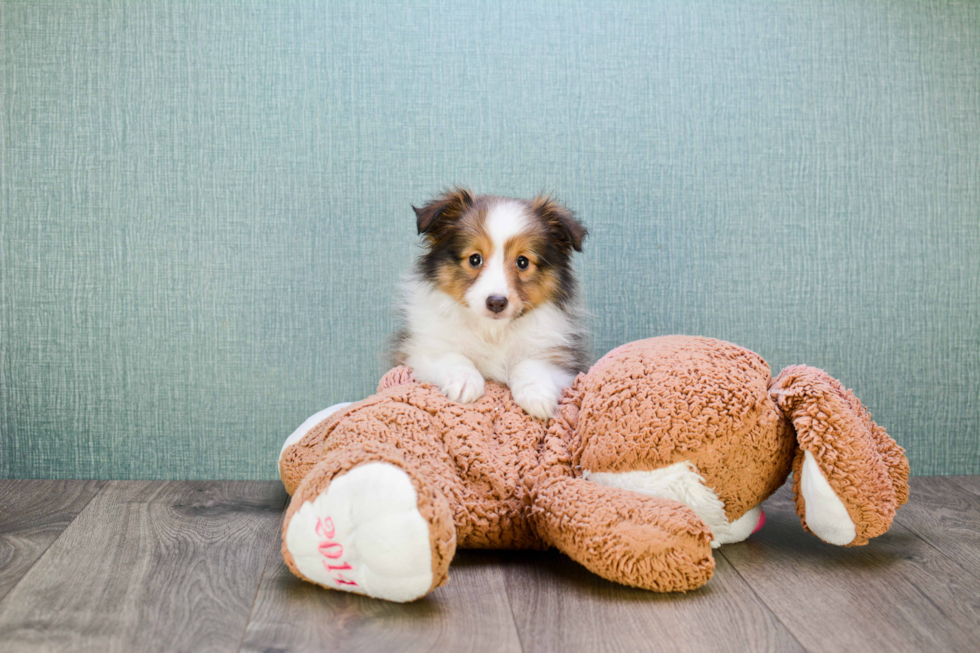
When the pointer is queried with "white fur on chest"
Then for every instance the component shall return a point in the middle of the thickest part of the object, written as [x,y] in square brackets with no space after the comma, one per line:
[438,324]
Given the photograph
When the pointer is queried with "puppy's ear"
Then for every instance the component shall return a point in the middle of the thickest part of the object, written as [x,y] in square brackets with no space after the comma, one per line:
[562,222]
[437,213]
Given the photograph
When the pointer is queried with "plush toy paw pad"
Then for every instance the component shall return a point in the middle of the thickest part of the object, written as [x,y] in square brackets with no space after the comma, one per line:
[364,534]
[826,515]
[463,385]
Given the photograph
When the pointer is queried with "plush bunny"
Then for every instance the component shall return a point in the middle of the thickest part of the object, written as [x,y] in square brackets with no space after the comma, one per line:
[663,450]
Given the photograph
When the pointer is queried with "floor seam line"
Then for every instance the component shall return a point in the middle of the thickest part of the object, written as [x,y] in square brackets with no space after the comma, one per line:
[510,608]
[258,587]
[104,485]
[762,600]
[938,550]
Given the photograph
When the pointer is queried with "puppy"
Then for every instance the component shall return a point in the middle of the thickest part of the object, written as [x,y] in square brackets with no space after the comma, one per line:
[493,296]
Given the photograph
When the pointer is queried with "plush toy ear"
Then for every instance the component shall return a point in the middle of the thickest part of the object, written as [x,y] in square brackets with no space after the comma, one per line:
[435,214]
[562,222]
[849,476]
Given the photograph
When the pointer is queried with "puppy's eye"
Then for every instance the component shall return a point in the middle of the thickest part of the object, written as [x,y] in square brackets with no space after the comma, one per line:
[522,262]
[476,260]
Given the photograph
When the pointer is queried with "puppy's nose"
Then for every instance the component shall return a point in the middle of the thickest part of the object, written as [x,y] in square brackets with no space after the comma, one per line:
[496,303]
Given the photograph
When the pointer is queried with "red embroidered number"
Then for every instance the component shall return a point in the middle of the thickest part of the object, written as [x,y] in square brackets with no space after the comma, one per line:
[332,550]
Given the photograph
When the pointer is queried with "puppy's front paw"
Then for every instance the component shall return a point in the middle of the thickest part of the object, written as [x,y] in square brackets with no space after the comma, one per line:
[539,400]
[463,385]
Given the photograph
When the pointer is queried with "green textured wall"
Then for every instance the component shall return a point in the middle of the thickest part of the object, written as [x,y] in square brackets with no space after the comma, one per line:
[205,207]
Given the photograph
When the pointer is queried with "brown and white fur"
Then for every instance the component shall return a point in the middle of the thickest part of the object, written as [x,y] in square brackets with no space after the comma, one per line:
[494,297]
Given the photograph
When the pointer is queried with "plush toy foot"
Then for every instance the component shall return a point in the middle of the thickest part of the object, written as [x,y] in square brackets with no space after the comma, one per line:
[849,476]
[751,522]
[366,533]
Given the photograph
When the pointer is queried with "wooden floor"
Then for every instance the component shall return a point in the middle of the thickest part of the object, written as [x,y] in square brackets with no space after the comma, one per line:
[195,566]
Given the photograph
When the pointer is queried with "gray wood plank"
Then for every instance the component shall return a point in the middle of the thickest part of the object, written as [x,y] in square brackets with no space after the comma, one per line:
[946,516]
[970,483]
[897,593]
[149,566]
[32,516]
[469,613]
[559,605]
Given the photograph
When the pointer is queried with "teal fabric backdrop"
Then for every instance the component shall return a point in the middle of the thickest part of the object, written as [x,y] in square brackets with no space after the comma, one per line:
[206,206]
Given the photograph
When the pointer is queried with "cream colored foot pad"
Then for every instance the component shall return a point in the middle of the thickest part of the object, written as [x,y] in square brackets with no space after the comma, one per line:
[365,535]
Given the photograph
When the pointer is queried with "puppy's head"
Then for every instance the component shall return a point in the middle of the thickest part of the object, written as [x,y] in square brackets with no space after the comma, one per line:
[498,256]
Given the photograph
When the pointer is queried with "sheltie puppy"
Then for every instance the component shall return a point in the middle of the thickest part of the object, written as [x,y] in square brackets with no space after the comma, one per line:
[493,296]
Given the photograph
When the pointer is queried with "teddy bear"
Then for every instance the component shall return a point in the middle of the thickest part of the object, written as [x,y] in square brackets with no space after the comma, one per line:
[665,449]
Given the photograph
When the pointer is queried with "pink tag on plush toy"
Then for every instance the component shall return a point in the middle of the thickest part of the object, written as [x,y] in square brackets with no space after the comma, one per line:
[762,521]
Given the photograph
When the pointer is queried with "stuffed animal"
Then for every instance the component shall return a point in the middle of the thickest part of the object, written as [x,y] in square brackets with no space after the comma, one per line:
[666,448]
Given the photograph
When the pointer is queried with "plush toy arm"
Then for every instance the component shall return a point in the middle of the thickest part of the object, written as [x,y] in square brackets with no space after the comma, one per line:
[648,542]
[849,476]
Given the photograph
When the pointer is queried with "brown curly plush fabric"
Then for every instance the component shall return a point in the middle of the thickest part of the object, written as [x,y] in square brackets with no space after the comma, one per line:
[489,476]
[647,542]
[476,455]
[655,402]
